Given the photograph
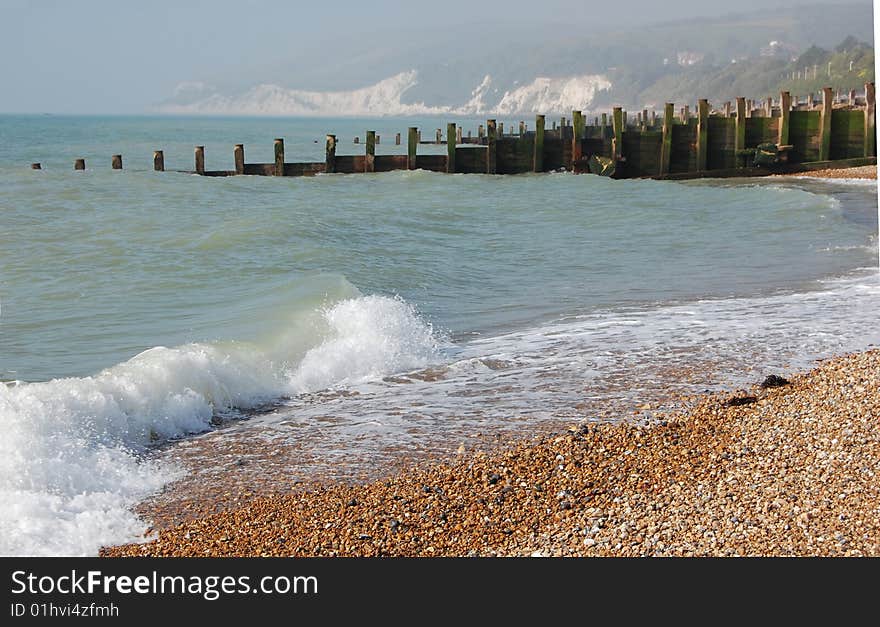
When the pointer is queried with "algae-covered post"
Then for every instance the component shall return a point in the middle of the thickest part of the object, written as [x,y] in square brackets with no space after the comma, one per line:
[200,159]
[825,124]
[158,161]
[666,141]
[538,155]
[784,117]
[870,140]
[491,147]
[702,132]
[370,152]
[412,147]
[279,157]
[116,162]
[617,122]
[740,133]
[451,138]
[238,158]
[79,164]
[330,154]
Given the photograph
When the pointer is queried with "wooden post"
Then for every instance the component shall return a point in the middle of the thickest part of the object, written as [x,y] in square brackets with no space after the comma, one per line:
[458,135]
[330,154]
[357,139]
[687,114]
[451,139]
[538,154]
[617,122]
[397,140]
[769,104]
[491,154]
[480,133]
[378,139]
[438,138]
[522,128]
[825,124]
[158,161]
[739,142]
[749,106]
[784,117]
[238,158]
[279,157]
[79,164]
[370,153]
[852,97]
[200,159]
[666,143]
[116,162]
[810,101]
[604,125]
[702,133]
[412,140]
[870,121]
[501,129]
[577,120]
[36,166]
[653,118]
[727,109]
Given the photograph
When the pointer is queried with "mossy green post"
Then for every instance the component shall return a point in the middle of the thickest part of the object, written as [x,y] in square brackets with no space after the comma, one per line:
[279,157]
[740,134]
[825,123]
[491,147]
[238,158]
[538,155]
[200,159]
[702,132]
[451,139]
[370,153]
[617,121]
[666,142]
[412,144]
[870,121]
[330,155]
[577,121]
[784,117]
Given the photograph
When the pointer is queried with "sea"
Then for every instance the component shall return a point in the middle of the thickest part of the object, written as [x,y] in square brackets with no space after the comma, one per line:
[366,317]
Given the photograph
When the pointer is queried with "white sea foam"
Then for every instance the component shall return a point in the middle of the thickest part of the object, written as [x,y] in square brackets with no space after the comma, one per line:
[70,465]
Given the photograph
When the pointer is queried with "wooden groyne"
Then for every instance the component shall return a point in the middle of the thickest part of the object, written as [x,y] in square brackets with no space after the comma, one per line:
[744,138]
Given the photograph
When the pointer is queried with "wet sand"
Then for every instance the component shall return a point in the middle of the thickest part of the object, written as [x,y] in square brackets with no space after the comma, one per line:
[790,470]
[862,172]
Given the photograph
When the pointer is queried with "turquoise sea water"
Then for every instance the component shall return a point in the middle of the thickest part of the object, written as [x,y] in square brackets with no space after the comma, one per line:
[138,306]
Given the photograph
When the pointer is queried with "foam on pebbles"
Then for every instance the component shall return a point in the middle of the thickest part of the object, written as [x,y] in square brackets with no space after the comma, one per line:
[795,473]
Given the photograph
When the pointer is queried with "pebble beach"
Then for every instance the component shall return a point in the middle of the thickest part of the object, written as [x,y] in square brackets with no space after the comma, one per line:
[787,468]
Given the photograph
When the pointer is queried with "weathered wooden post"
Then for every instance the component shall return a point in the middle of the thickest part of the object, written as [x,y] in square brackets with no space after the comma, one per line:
[810,102]
[538,154]
[378,139]
[870,121]
[200,159]
[357,139]
[330,154]
[480,132]
[158,161]
[457,134]
[653,118]
[617,121]
[749,106]
[784,117]
[624,118]
[116,162]
[501,129]
[79,164]
[825,124]
[577,121]
[727,109]
[491,147]
[238,158]
[451,139]
[644,119]
[397,140]
[370,152]
[522,128]
[438,137]
[702,133]
[666,142]
[739,142]
[604,125]
[419,136]
[412,147]
[36,166]
[279,157]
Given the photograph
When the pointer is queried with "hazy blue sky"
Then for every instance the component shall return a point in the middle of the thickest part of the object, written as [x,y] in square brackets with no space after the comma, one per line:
[118,56]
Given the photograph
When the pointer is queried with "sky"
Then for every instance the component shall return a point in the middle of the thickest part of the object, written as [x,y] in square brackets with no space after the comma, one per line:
[99,56]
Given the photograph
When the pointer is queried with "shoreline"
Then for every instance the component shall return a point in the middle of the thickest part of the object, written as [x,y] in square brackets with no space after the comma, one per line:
[862,172]
[795,470]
